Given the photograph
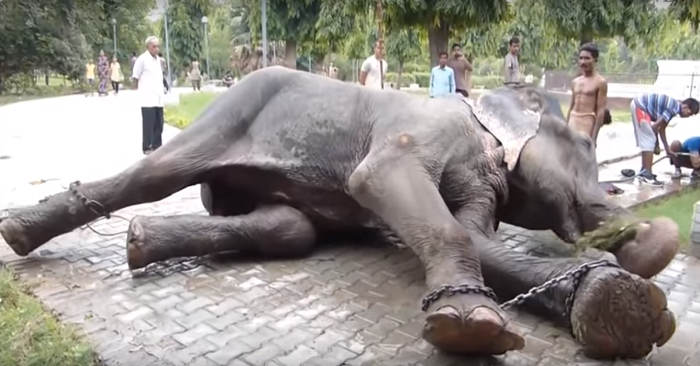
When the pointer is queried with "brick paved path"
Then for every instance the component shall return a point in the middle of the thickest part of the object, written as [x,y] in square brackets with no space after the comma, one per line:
[344,305]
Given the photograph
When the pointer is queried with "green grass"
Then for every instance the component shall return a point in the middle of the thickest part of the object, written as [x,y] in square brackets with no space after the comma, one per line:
[678,208]
[32,336]
[191,106]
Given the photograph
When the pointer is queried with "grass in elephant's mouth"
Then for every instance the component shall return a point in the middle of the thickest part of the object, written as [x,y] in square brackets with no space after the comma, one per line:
[30,335]
[679,209]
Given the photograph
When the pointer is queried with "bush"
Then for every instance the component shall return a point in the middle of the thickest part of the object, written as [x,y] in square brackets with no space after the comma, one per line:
[406,79]
[422,78]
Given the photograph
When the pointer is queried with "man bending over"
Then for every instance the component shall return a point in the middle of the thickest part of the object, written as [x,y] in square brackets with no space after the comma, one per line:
[650,116]
[686,155]
[589,95]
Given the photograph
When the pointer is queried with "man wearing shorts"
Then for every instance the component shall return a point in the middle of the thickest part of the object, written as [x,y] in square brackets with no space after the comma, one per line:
[650,116]
[686,155]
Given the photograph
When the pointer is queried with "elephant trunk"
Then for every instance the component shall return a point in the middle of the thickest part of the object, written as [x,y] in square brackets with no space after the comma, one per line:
[644,247]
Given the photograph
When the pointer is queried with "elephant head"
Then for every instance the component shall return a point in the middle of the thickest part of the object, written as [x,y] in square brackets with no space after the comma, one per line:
[554,186]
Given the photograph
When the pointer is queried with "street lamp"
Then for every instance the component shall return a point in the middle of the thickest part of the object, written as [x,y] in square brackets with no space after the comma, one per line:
[264,31]
[205,20]
[114,35]
[167,44]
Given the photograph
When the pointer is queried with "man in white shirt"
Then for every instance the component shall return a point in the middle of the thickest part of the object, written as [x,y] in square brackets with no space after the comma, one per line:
[374,68]
[148,80]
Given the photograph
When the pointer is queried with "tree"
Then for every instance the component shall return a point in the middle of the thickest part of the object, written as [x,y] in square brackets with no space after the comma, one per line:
[634,20]
[187,31]
[131,23]
[541,44]
[441,18]
[402,45]
[40,35]
[686,11]
[290,21]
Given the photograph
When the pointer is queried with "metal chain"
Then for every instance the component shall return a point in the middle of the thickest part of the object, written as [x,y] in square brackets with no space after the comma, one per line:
[449,290]
[576,275]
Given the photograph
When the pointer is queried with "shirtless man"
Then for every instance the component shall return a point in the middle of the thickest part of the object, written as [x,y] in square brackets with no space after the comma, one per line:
[589,95]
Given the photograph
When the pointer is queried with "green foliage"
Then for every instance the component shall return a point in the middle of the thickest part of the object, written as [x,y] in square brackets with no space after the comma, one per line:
[40,37]
[187,32]
[686,11]
[584,21]
[402,45]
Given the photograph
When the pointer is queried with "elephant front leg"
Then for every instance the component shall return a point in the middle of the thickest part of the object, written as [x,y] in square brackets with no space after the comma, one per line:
[465,318]
[613,313]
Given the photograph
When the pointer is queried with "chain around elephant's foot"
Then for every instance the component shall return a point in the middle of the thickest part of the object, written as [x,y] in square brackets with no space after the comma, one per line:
[617,314]
[467,319]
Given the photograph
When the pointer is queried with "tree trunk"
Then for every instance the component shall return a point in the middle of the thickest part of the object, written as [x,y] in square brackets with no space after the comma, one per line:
[399,73]
[438,40]
[319,63]
[46,77]
[2,85]
[585,38]
[290,54]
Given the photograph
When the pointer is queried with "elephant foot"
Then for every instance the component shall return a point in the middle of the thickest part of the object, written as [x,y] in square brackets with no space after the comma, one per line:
[14,232]
[472,324]
[617,314]
[137,253]
[653,248]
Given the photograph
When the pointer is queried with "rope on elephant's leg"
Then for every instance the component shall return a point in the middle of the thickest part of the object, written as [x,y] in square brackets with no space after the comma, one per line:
[89,226]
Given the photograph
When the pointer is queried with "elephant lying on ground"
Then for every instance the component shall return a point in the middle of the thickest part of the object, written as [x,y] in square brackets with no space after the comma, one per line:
[285,158]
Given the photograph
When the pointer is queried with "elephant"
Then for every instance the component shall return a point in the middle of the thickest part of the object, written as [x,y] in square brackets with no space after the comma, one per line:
[286,158]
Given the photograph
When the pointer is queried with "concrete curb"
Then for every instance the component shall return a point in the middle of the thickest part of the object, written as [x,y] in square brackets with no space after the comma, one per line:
[694,184]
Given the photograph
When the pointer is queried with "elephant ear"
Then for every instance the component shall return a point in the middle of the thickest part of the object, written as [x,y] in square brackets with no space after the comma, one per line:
[506,116]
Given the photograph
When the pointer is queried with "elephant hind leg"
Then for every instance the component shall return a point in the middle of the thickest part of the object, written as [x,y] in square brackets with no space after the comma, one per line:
[277,231]
[152,178]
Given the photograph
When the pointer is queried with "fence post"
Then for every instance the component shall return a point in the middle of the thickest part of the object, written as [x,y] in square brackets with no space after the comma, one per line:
[692,84]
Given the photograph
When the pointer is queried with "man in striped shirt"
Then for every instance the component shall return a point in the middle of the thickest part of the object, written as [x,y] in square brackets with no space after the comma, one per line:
[650,116]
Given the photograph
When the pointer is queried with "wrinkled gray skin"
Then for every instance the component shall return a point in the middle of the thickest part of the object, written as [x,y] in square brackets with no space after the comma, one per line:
[285,158]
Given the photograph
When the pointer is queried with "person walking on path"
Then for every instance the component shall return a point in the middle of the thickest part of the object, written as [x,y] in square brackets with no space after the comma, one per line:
[462,69]
[115,74]
[651,113]
[374,68]
[102,73]
[195,76]
[442,79]
[512,67]
[148,81]
[90,77]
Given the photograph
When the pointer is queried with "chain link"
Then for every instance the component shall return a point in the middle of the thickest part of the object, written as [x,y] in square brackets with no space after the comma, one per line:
[449,290]
[575,275]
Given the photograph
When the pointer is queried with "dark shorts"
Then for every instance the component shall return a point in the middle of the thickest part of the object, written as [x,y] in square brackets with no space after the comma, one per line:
[682,160]
[463,92]
[91,81]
